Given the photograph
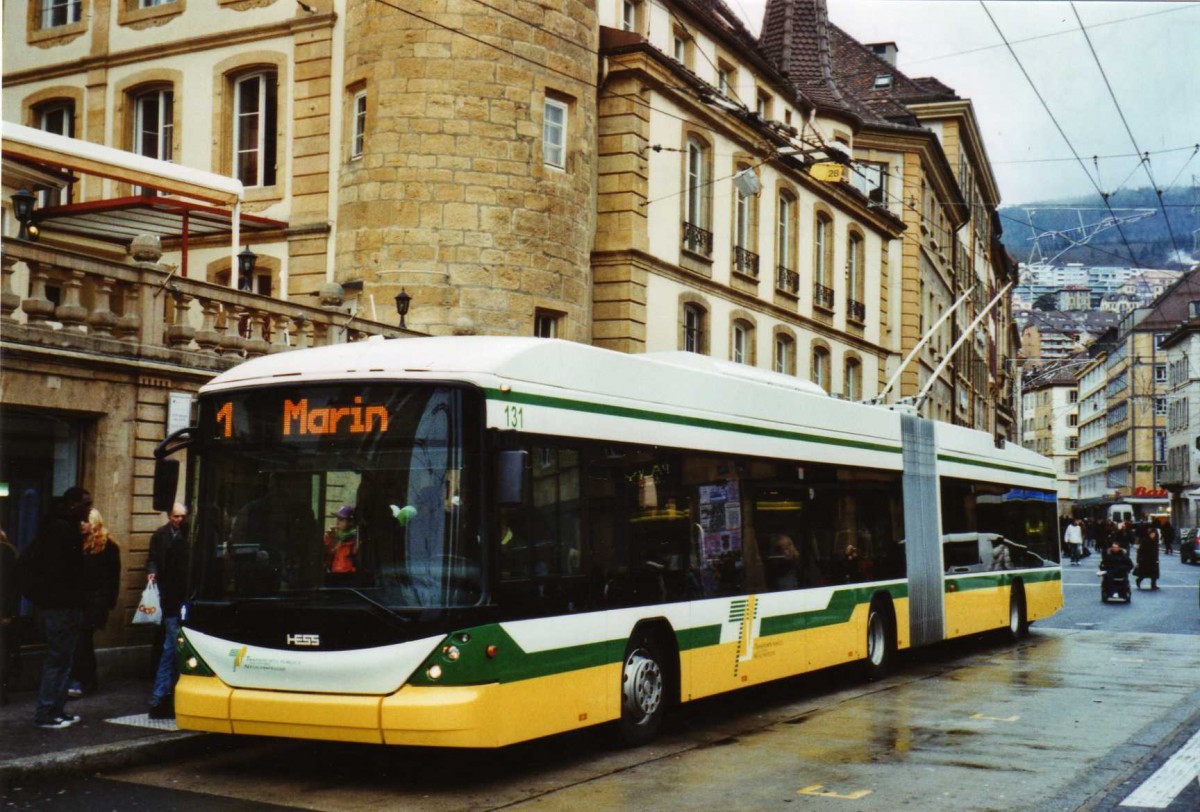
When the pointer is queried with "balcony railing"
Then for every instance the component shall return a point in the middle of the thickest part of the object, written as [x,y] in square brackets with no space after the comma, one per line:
[857,311]
[822,296]
[60,298]
[745,262]
[697,240]
[787,280]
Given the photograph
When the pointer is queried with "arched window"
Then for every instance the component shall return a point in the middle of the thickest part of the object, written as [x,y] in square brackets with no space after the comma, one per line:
[785,354]
[255,128]
[154,123]
[694,318]
[745,215]
[741,342]
[820,367]
[55,116]
[852,384]
[855,282]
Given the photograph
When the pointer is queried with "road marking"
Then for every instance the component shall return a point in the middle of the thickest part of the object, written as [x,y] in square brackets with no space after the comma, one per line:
[1160,789]
[816,790]
[995,718]
[1127,660]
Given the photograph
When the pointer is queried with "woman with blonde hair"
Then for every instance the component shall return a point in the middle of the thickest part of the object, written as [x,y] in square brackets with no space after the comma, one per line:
[101,582]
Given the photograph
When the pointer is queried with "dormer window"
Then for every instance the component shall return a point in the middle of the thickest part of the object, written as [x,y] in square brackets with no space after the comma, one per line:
[883,81]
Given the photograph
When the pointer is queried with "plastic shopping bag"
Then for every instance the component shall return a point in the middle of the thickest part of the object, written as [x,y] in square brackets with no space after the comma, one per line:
[149,609]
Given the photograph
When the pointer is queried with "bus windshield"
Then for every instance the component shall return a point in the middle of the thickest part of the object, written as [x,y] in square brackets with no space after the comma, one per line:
[361,488]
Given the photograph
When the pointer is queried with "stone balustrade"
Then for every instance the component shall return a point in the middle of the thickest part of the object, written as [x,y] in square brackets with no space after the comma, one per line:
[55,297]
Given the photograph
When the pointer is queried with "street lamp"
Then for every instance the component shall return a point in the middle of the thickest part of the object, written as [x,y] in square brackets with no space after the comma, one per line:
[246,260]
[22,202]
[402,302]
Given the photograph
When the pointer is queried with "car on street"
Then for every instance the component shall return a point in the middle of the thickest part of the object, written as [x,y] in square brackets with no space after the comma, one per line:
[1189,547]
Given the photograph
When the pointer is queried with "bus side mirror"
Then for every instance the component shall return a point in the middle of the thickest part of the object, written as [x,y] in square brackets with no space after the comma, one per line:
[166,481]
[510,477]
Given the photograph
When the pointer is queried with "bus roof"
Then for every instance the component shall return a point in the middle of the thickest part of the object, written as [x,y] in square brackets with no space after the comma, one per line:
[671,382]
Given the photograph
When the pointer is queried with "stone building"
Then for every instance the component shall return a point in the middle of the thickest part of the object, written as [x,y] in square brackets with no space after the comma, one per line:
[1050,425]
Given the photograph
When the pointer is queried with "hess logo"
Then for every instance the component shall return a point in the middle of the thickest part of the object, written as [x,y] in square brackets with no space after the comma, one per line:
[304,639]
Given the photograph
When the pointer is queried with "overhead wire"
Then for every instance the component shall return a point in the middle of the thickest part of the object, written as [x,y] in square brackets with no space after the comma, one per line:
[1145,157]
[1033,86]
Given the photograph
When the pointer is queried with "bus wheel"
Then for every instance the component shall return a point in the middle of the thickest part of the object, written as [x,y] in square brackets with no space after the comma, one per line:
[880,648]
[643,689]
[1018,626]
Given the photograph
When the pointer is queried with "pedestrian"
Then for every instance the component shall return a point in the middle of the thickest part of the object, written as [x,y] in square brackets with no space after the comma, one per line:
[1168,537]
[55,571]
[101,583]
[167,567]
[1147,560]
[1074,541]
[1089,534]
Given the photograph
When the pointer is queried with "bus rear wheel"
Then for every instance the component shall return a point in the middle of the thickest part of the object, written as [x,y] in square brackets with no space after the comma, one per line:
[643,692]
[1018,625]
[880,645]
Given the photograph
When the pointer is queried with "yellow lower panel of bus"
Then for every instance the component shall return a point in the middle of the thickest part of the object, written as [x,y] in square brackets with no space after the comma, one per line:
[1045,598]
[499,714]
[469,716]
[754,660]
[971,611]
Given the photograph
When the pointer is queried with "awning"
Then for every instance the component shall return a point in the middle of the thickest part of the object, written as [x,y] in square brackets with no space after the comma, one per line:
[87,158]
[121,219]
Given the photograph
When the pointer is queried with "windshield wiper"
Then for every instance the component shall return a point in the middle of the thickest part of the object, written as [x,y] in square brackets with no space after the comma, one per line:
[367,598]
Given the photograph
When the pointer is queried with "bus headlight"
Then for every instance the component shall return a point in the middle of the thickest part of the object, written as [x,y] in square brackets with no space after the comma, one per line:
[452,653]
[434,672]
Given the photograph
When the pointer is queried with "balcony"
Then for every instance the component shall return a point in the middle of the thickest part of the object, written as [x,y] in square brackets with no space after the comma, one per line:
[822,296]
[697,240]
[745,262]
[787,281]
[856,311]
[57,300]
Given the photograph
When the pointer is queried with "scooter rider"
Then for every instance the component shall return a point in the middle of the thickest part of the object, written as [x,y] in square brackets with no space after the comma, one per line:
[1115,564]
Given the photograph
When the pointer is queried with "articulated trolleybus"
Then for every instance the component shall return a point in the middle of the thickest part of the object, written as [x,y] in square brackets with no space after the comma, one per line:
[474,541]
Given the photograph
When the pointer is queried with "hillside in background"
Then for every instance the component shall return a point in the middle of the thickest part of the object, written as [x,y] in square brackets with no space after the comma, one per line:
[1149,238]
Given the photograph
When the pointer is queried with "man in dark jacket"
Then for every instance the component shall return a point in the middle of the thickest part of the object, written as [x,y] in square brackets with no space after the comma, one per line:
[167,567]
[55,568]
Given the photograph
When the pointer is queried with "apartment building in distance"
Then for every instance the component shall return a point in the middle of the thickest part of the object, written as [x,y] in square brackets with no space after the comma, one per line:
[1181,350]
[1050,425]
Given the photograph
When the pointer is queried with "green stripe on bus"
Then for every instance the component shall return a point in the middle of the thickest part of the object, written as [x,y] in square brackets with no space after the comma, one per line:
[1010,468]
[991,580]
[680,420]
[841,607]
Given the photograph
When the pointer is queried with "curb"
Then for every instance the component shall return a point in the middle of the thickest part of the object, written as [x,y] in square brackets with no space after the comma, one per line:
[101,757]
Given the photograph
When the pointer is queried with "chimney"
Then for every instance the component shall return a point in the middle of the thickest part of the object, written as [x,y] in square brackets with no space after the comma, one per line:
[885,50]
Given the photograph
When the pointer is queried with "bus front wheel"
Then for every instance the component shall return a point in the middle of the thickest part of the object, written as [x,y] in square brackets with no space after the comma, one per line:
[643,691]
[1018,625]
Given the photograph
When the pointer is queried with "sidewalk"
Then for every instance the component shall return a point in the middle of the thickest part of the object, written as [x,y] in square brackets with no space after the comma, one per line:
[115,732]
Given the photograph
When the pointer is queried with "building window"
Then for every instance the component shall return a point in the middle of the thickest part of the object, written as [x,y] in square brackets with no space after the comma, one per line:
[870,179]
[741,342]
[545,324]
[628,15]
[855,283]
[785,355]
[254,128]
[1072,420]
[725,79]
[693,328]
[882,81]
[679,47]
[820,367]
[763,105]
[56,117]
[696,236]
[153,3]
[823,246]
[852,385]
[1160,373]
[1159,338]
[154,127]
[554,133]
[56,13]
[1160,406]
[358,133]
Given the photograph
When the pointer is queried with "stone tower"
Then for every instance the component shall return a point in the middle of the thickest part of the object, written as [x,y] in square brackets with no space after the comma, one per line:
[453,197]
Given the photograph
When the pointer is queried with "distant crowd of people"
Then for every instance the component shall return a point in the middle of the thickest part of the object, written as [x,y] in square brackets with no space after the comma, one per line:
[1125,546]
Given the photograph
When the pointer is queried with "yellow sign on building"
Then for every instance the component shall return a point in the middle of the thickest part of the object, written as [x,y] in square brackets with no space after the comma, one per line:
[828,171]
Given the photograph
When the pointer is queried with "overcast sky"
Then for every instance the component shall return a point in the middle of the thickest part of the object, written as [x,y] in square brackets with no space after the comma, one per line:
[1150,52]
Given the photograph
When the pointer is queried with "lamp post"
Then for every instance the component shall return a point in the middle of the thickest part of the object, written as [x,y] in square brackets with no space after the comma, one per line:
[403,300]
[246,260]
[22,203]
